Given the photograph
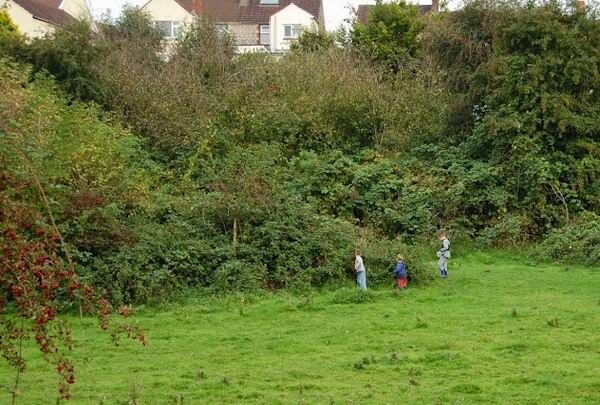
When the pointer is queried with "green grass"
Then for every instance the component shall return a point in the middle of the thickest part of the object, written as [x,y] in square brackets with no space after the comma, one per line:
[496,331]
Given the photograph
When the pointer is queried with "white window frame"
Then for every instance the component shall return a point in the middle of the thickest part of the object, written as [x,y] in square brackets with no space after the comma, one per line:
[269,2]
[264,34]
[295,31]
[174,28]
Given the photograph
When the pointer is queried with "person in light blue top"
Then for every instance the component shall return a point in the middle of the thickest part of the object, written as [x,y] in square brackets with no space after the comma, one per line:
[361,273]
[443,254]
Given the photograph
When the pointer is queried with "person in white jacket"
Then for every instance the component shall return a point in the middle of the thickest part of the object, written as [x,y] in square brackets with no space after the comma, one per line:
[361,273]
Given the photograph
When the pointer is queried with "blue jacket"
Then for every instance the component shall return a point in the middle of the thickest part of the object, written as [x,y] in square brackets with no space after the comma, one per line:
[400,270]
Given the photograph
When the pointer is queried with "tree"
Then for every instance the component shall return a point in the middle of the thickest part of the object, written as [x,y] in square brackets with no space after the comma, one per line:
[313,41]
[7,25]
[391,35]
[11,41]
[241,186]
[69,55]
[205,50]
[132,26]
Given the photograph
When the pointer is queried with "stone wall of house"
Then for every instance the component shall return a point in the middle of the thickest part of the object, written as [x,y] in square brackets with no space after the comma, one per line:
[244,34]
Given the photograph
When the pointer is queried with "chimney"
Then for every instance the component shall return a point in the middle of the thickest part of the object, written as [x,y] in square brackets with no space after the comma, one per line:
[198,7]
[435,6]
[581,5]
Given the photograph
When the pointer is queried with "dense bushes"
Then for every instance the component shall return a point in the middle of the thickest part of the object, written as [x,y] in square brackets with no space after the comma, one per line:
[391,36]
[577,242]
[525,76]
[246,172]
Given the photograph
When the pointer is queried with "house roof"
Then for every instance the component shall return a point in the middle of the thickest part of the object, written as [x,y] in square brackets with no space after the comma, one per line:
[245,11]
[362,13]
[46,10]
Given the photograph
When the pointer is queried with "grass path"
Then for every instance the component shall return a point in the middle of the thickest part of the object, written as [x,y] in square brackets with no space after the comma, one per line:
[495,332]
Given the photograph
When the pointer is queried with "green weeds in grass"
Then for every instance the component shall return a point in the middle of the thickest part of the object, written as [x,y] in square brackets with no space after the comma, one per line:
[352,296]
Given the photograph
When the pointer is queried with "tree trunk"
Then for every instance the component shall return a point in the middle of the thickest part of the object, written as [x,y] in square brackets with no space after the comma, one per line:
[235,236]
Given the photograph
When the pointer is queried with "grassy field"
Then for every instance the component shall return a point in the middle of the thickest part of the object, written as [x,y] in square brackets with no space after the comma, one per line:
[497,331]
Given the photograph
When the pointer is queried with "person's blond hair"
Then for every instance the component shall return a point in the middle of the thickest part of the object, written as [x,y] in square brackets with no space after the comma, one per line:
[400,257]
[358,252]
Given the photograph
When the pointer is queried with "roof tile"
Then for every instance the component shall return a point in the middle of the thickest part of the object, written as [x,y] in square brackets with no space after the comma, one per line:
[245,11]
[46,10]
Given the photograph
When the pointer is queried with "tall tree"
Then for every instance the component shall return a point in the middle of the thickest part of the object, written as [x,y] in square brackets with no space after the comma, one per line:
[391,34]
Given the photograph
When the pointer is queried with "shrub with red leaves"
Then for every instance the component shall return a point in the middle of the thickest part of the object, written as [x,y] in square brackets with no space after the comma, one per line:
[37,281]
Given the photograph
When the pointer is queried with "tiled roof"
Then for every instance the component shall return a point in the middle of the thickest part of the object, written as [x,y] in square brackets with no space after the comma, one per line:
[245,11]
[362,14]
[46,10]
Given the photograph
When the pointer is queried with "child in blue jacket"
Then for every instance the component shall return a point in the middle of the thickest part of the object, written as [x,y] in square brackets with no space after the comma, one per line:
[400,272]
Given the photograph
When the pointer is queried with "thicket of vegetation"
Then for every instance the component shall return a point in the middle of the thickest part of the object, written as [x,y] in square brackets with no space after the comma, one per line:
[246,172]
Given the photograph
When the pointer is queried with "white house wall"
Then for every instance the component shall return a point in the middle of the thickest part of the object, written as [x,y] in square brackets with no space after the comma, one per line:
[322,23]
[290,15]
[167,10]
[29,26]
[77,8]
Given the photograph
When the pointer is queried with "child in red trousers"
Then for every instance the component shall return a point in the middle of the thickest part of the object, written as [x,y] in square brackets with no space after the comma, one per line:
[400,272]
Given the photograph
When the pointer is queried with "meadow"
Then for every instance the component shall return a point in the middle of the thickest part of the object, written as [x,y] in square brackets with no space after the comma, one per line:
[233,189]
[499,330]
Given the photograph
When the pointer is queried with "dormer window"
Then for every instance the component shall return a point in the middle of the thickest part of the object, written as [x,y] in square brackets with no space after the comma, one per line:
[269,2]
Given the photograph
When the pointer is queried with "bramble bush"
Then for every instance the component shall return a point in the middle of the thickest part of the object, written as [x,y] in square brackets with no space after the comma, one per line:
[240,276]
[576,242]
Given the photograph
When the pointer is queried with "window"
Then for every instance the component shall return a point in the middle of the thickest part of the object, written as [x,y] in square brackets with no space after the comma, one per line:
[170,29]
[292,31]
[269,2]
[265,35]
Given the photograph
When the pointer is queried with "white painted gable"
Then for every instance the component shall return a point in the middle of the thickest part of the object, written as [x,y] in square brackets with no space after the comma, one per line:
[292,15]
[79,9]
[166,10]
[29,26]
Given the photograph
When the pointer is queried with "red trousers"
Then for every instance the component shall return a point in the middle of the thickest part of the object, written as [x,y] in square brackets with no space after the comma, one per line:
[402,282]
